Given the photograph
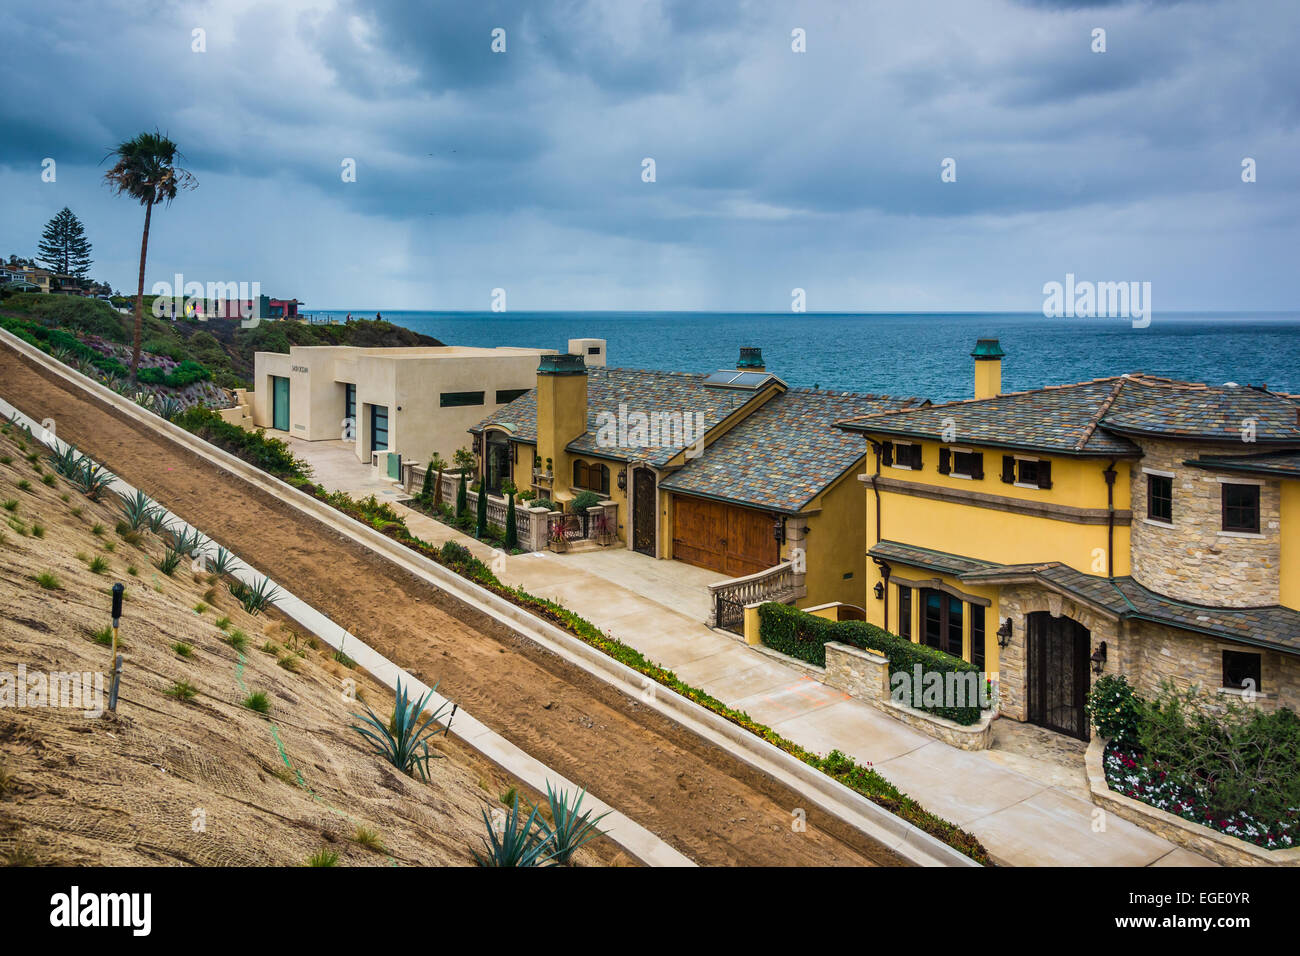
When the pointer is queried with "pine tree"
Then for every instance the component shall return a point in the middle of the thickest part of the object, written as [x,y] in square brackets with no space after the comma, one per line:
[64,245]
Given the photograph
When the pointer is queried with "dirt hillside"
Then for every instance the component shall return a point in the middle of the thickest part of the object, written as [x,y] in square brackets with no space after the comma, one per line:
[202,781]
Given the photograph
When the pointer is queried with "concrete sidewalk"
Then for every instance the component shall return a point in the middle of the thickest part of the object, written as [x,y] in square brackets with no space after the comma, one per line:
[1026,799]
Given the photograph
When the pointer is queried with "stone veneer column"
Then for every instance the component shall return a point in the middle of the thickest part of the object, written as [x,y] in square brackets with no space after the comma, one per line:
[796,536]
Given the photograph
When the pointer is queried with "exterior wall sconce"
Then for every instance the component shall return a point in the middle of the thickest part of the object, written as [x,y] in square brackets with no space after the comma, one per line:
[1004,633]
[778,529]
[879,591]
[622,480]
[1099,658]
[478,444]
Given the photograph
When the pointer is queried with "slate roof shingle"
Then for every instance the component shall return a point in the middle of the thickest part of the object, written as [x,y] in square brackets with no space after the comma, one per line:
[1284,464]
[783,454]
[1094,418]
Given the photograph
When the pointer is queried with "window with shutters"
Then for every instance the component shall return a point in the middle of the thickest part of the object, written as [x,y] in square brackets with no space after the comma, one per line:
[1026,472]
[906,455]
[967,464]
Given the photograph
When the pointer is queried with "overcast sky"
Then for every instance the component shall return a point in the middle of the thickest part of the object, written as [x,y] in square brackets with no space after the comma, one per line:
[774,169]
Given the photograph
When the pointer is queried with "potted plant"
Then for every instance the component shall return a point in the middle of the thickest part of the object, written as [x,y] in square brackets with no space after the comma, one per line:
[557,539]
[549,471]
[601,530]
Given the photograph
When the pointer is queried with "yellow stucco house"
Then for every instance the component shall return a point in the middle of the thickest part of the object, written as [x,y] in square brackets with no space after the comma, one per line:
[1131,525]
[731,470]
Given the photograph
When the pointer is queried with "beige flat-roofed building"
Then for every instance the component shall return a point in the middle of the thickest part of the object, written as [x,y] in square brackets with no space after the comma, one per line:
[412,401]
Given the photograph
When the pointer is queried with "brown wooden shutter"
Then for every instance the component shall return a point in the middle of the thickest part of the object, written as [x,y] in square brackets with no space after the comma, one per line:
[945,461]
[1044,474]
[1009,469]
[886,452]
[916,457]
[977,466]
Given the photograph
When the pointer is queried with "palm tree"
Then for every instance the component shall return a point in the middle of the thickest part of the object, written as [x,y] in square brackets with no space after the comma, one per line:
[146,171]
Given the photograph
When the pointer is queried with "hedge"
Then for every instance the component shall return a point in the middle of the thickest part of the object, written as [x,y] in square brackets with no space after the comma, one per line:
[270,454]
[804,636]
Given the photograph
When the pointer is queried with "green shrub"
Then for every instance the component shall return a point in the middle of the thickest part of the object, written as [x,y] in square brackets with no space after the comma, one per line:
[186,373]
[1114,708]
[270,454]
[805,636]
[585,500]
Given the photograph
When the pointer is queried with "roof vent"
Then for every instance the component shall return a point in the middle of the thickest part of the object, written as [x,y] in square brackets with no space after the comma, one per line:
[751,358]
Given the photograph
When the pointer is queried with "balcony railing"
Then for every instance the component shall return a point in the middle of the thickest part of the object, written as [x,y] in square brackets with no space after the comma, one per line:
[729,598]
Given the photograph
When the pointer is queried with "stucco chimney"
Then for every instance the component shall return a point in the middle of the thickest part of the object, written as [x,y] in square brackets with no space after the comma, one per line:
[561,410]
[988,368]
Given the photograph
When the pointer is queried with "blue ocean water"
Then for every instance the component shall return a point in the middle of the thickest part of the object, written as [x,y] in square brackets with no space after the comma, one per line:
[923,354]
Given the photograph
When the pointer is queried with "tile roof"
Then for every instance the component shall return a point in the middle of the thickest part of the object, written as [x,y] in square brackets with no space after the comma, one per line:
[1285,464]
[636,390]
[1094,418]
[1274,626]
[929,559]
[519,418]
[783,454]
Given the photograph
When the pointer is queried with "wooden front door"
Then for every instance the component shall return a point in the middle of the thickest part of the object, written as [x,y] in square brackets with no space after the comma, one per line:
[1058,673]
[645,512]
[724,538]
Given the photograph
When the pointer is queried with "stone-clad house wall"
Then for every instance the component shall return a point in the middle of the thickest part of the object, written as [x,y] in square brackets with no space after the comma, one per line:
[1147,654]
[1194,560]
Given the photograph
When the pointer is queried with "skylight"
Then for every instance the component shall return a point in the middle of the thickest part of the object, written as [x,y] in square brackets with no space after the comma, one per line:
[734,378]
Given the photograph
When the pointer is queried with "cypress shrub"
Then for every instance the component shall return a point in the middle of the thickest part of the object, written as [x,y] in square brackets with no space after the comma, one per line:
[426,489]
[480,516]
[461,497]
[804,636]
[512,529]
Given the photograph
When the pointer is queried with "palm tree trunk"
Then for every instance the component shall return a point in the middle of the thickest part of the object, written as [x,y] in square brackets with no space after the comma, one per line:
[139,295]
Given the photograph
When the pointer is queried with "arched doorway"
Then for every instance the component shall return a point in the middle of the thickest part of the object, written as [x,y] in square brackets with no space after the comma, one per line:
[1057,652]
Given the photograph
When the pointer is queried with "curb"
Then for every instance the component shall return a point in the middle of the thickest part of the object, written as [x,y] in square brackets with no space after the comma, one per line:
[827,794]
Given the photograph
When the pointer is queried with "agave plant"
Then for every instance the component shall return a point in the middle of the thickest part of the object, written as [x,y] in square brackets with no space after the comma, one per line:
[167,407]
[404,741]
[222,562]
[157,521]
[137,510]
[169,562]
[92,479]
[521,842]
[186,540]
[257,597]
[67,462]
[569,829]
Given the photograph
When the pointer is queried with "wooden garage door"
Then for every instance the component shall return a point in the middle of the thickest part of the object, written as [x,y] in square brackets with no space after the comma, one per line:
[733,541]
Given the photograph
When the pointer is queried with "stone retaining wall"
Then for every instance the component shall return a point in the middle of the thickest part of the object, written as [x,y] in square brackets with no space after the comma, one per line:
[864,675]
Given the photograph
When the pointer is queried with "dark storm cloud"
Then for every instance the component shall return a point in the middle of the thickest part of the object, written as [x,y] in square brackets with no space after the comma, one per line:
[760,151]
